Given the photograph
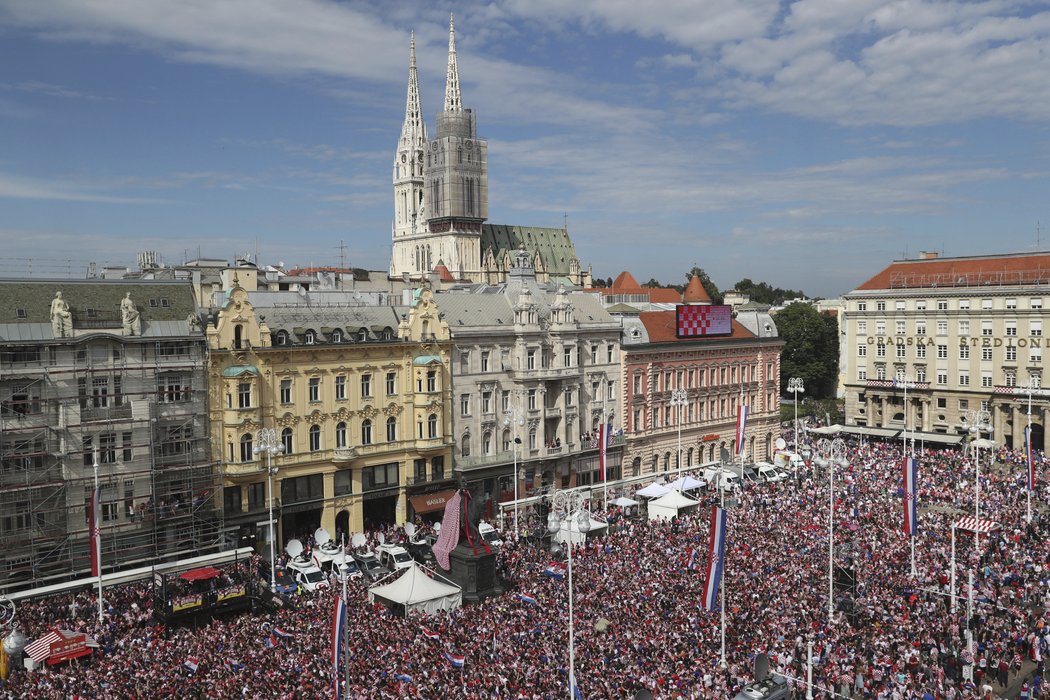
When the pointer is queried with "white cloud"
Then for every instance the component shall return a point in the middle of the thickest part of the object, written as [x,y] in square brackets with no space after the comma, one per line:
[19,187]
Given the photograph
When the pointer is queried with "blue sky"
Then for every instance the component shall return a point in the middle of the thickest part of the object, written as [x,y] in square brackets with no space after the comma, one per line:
[806,144]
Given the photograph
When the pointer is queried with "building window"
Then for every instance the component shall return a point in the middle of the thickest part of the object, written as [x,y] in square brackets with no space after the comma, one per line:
[964,379]
[567,357]
[172,388]
[310,337]
[901,351]
[920,374]
[391,429]
[986,304]
[340,434]
[340,387]
[288,440]
[505,401]
[920,352]
[343,482]
[1010,328]
[986,328]
[1035,303]
[464,445]
[986,380]
[862,350]
[366,386]
[594,353]
[315,438]
[432,426]
[964,327]
[464,404]
[920,304]
[486,443]
[530,359]
[1036,378]
[942,378]
[964,304]
[1011,303]
[880,328]
[1035,355]
[880,350]
[437,468]
[569,397]
[366,432]
[391,383]
[337,336]
[246,448]
[637,383]
[486,402]
[1035,328]
[532,400]
[880,372]
[314,389]
[244,395]
[1011,353]
[610,353]
[942,352]
[485,361]
[1010,378]
[286,391]
[532,438]
[942,304]
[862,327]
[986,354]
[880,306]
[900,327]
[964,352]
[464,362]
[898,305]
[431,380]
[862,306]
[942,327]
[920,326]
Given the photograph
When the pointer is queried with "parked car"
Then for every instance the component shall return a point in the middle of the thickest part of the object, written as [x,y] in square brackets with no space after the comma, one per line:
[370,566]
[489,534]
[768,473]
[285,582]
[421,552]
[394,557]
[307,574]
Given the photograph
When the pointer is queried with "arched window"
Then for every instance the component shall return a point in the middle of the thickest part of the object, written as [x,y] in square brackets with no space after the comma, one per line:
[464,449]
[486,443]
[310,337]
[391,429]
[689,457]
[340,434]
[506,441]
[287,439]
[362,335]
[238,336]
[366,432]
[636,467]
[246,448]
[315,438]
[532,438]
[337,336]
[432,425]
[282,337]
[667,461]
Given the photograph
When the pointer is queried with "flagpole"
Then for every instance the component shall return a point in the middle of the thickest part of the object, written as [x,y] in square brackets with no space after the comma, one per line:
[953,568]
[603,437]
[1030,476]
[722,587]
[95,540]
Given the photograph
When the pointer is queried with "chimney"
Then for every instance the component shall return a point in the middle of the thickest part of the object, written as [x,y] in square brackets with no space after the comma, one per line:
[927,254]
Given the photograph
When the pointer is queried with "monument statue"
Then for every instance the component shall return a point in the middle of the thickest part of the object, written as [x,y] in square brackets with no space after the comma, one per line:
[194,322]
[129,316]
[460,524]
[61,319]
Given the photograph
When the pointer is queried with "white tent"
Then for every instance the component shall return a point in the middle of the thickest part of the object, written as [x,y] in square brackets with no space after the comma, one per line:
[416,591]
[653,490]
[686,483]
[570,530]
[668,506]
[625,502]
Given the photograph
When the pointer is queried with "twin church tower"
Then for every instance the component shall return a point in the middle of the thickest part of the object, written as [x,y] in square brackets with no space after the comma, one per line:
[441,200]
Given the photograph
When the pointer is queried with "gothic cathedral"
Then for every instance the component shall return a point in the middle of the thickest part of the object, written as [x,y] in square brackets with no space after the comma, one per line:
[441,200]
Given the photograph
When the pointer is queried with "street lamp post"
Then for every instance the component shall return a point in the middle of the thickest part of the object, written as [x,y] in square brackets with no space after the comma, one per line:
[796,387]
[512,418]
[679,400]
[266,442]
[571,504]
[831,453]
[976,422]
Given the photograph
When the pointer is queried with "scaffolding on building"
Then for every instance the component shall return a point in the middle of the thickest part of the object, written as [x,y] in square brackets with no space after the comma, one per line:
[137,407]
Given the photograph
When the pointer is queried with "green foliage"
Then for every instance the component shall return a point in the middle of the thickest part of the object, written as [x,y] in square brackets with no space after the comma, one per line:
[811,349]
[763,293]
[820,408]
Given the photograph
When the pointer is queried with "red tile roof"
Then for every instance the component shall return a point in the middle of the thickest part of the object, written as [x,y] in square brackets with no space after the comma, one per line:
[660,325]
[443,272]
[1017,269]
[695,292]
[663,295]
[625,284]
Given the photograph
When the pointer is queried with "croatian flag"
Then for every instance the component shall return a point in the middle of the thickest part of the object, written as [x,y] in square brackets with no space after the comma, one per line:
[741,425]
[191,664]
[234,665]
[603,442]
[1028,456]
[692,558]
[715,558]
[282,634]
[338,625]
[94,511]
[270,642]
[457,660]
[526,598]
[430,634]
[911,486]
[576,694]
[555,570]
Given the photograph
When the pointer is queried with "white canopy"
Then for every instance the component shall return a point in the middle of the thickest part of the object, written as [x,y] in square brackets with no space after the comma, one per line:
[625,502]
[686,483]
[668,506]
[653,490]
[570,530]
[417,591]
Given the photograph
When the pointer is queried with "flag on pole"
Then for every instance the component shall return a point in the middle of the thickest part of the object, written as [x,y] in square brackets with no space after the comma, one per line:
[576,694]
[715,558]
[741,424]
[526,598]
[94,513]
[191,664]
[1028,456]
[338,625]
[603,442]
[430,634]
[911,486]
[456,660]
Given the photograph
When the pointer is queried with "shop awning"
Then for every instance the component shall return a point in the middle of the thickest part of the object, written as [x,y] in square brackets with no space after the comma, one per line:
[201,574]
[60,645]
[430,502]
[884,433]
[940,438]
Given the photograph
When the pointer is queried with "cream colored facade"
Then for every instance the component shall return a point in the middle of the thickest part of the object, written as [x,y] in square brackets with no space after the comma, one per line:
[357,396]
[956,347]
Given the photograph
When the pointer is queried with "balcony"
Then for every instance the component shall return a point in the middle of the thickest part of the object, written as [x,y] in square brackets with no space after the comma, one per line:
[893,384]
[105,413]
[554,450]
[540,373]
[344,454]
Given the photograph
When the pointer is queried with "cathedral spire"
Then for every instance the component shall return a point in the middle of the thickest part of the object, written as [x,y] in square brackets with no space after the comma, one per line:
[453,103]
[414,130]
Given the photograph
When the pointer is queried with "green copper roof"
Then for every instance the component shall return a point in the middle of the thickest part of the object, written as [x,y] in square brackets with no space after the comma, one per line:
[238,370]
[555,247]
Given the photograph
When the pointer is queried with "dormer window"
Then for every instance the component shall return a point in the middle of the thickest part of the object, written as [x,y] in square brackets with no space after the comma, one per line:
[309,337]
[282,337]
[362,335]
[337,336]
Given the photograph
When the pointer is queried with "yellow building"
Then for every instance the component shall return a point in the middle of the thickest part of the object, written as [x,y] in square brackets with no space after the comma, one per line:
[352,401]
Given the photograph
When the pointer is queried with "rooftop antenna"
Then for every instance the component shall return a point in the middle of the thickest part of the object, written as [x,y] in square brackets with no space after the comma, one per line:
[342,249]
[1038,237]
[565,221]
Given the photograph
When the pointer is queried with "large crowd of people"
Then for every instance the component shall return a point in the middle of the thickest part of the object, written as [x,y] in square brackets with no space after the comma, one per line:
[638,619]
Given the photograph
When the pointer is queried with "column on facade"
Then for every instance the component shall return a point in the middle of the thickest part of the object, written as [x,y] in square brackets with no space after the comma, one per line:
[1019,417]
[869,409]
[328,511]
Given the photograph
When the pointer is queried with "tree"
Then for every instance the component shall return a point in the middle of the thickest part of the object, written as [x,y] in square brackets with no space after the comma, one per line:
[811,348]
[763,293]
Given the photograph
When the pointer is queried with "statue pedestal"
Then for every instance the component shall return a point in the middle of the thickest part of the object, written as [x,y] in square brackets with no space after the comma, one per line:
[474,573]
